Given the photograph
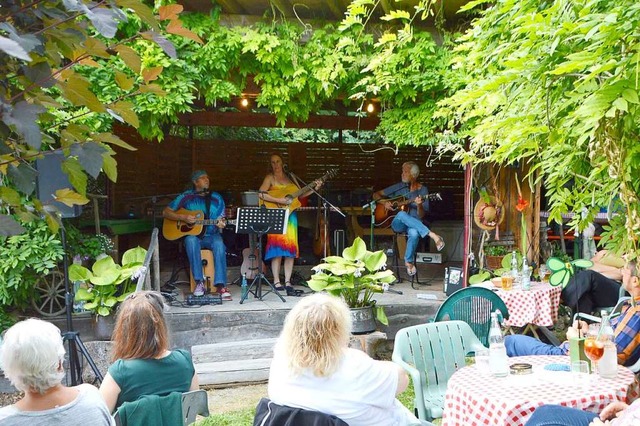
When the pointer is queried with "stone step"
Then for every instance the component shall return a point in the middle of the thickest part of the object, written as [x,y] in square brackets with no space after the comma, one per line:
[224,373]
[244,350]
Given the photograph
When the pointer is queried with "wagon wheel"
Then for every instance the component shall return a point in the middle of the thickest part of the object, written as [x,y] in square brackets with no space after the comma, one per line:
[49,294]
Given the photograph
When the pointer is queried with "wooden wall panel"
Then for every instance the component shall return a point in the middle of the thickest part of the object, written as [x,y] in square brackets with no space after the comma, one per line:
[237,166]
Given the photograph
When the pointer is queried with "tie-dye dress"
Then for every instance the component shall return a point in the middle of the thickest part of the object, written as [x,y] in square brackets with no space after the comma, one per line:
[285,245]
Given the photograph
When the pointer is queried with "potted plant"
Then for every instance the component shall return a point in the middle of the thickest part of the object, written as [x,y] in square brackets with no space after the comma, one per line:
[356,276]
[107,283]
[494,255]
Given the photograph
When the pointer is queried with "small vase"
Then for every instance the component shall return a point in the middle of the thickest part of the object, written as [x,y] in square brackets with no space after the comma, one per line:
[363,320]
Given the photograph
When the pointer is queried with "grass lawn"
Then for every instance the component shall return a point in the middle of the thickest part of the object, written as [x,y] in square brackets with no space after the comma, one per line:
[245,417]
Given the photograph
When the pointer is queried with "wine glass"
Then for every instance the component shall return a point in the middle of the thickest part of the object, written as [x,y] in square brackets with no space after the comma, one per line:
[594,346]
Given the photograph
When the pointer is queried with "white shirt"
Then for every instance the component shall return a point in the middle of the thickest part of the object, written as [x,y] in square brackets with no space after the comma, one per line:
[361,392]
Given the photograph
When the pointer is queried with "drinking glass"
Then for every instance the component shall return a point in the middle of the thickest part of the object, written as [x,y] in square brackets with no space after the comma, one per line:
[482,360]
[593,346]
[507,281]
[580,373]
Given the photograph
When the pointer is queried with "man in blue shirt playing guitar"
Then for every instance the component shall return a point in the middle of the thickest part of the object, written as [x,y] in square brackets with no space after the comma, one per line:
[200,208]
[413,196]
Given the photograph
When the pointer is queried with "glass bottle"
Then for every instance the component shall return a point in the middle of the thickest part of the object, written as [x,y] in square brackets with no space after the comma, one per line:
[526,275]
[608,364]
[514,265]
[244,287]
[498,360]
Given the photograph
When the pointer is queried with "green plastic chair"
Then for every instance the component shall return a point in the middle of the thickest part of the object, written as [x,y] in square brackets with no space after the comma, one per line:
[431,353]
[473,305]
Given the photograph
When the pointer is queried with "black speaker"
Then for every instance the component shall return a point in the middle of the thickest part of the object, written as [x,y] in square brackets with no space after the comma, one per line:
[50,179]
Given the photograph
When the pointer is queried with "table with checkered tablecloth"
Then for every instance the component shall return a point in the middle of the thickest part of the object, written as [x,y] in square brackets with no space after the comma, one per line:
[475,397]
[537,306]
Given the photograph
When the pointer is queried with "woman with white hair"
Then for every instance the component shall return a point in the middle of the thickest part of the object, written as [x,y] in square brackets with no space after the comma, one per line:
[32,356]
[314,369]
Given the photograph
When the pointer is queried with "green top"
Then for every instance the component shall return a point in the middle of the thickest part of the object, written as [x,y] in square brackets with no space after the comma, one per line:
[138,377]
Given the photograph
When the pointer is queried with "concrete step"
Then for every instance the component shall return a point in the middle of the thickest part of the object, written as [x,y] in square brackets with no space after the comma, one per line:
[217,352]
[238,371]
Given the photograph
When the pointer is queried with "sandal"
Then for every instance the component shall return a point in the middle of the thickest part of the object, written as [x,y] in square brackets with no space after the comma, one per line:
[440,244]
[292,291]
[411,269]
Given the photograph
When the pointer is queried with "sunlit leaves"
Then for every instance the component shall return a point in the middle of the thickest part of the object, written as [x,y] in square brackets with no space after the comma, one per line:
[70,197]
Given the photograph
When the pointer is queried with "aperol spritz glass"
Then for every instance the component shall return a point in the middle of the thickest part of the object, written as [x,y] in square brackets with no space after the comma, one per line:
[594,346]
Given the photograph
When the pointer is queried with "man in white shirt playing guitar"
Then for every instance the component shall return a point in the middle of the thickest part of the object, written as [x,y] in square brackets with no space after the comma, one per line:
[414,196]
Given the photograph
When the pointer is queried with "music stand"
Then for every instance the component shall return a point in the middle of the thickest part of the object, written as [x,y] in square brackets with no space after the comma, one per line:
[261,221]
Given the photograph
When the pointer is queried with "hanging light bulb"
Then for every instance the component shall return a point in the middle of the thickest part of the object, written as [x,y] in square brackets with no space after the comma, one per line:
[370,108]
[244,102]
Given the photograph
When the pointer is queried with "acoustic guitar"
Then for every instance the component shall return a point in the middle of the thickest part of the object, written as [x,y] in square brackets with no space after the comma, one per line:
[384,217]
[249,267]
[295,203]
[175,229]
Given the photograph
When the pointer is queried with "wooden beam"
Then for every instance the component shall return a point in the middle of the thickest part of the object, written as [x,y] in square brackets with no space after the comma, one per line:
[252,119]
[284,7]
[231,6]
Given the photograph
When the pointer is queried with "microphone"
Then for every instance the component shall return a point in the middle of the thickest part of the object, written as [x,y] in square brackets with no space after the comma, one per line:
[368,205]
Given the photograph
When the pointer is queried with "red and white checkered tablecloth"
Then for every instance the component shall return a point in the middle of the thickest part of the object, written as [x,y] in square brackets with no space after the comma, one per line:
[538,306]
[475,398]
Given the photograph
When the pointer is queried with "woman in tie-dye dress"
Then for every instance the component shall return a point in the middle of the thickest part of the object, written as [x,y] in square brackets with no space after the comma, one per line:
[281,246]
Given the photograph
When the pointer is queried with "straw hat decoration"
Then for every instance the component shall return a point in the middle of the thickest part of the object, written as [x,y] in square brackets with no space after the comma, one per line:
[488,214]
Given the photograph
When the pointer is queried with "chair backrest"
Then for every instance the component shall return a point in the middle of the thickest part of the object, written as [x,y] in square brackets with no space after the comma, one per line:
[431,353]
[268,413]
[473,305]
[194,403]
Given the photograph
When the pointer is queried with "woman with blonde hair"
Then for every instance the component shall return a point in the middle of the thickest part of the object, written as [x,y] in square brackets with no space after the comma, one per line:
[32,357]
[314,369]
[144,365]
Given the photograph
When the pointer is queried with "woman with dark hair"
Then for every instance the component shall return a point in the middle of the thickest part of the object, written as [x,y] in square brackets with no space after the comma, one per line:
[144,365]
[282,245]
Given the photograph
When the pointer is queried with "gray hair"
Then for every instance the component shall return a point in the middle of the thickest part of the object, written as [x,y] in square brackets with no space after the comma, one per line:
[31,355]
[415,170]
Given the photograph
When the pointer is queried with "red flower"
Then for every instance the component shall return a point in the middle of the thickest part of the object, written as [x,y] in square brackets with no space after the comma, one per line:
[522,204]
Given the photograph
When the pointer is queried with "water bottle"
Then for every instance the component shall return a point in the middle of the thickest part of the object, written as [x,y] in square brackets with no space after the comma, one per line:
[526,275]
[244,287]
[514,265]
[608,364]
[498,360]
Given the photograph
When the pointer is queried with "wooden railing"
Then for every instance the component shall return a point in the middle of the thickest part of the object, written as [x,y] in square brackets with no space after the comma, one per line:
[153,255]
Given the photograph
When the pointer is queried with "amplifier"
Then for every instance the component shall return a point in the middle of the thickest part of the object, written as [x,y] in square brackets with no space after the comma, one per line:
[207,299]
[430,257]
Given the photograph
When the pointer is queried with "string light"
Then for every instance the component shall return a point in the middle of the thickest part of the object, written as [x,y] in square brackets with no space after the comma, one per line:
[370,107]
[244,102]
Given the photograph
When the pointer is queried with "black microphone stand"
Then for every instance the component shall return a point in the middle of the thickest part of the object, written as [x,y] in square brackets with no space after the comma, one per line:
[72,338]
[325,210]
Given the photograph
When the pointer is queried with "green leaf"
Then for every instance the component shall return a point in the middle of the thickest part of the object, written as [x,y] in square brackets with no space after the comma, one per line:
[124,82]
[134,256]
[125,110]
[103,311]
[356,251]
[582,263]
[70,198]
[9,196]
[89,155]
[77,91]
[83,295]
[110,167]
[79,273]
[77,177]
[112,139]
[143,11]
[129,57]
[555,264]
[375,261]
[381,316]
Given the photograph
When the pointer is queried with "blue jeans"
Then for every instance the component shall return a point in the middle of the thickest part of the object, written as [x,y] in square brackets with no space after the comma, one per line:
[519,345]
[213,242]
[558,415]
[415,230]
